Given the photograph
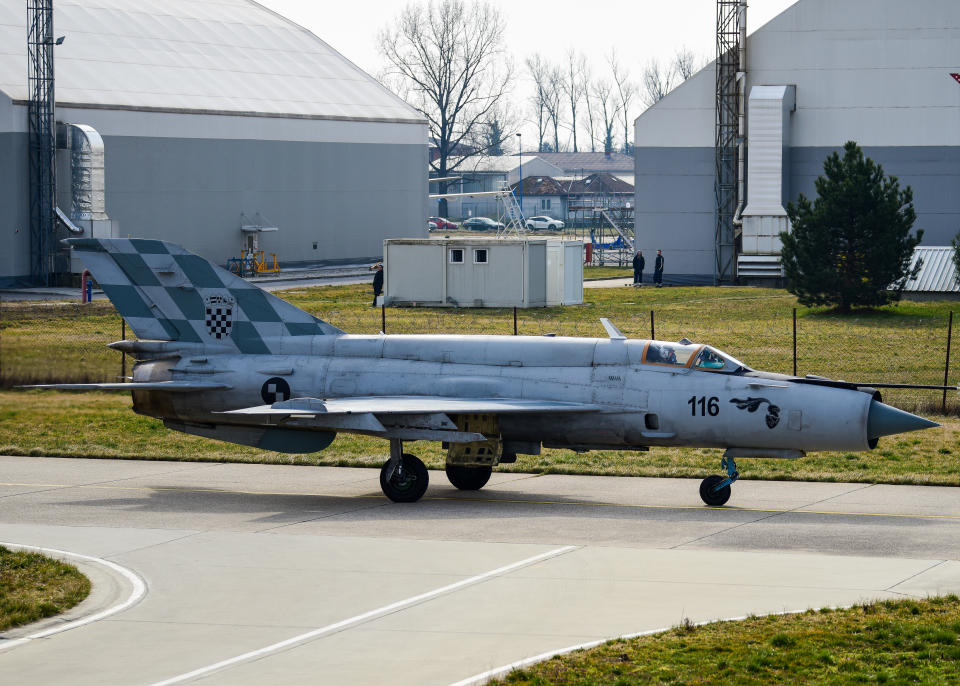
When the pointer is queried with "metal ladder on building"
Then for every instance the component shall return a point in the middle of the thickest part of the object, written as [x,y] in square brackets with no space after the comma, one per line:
[512,215]
[626,234]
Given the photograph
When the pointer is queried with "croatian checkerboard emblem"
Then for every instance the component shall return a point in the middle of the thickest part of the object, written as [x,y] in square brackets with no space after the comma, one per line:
[275,390]
[219,315]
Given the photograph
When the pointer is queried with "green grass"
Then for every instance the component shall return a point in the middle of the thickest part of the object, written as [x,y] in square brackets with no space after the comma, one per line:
[58,341]
[34,587]
[902,642]
[103,425]
[608,272]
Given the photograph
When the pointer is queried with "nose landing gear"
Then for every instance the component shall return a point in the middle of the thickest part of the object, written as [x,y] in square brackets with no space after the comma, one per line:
[715,490]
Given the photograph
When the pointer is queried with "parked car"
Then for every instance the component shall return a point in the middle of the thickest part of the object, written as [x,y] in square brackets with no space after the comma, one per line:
[544,223]
[443,224]
[481,224]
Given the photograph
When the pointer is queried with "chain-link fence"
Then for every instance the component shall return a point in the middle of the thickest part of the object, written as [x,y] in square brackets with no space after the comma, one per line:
[66,343]
[59,343]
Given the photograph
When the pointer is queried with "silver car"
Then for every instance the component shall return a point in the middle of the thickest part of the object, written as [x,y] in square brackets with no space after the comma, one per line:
[544,222]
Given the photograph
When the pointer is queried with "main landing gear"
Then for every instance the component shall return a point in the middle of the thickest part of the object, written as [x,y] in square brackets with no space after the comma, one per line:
[403,478]
[468,478]
[715,490]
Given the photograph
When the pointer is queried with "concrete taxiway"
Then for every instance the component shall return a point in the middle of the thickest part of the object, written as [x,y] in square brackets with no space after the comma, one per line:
[254,572]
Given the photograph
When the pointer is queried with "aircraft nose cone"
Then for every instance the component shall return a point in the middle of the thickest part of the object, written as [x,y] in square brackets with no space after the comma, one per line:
[884,420]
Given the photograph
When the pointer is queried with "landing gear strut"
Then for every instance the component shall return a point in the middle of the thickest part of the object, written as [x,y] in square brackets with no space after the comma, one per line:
[403,478]
[715,490]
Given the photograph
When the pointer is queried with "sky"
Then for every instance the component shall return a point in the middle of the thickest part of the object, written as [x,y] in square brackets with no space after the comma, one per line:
[639,30]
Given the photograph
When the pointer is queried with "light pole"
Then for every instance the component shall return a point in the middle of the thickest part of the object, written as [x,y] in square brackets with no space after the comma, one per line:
[520,149]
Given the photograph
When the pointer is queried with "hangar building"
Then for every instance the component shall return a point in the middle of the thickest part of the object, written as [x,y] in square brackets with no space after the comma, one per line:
[882,73]
[209,110]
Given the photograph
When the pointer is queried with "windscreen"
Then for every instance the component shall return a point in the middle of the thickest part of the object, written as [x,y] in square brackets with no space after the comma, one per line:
[712,360]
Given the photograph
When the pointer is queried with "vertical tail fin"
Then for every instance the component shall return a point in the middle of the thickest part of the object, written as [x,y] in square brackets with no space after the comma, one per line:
[166,293]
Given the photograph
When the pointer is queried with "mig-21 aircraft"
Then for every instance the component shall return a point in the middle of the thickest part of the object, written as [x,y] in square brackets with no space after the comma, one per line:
[219,357]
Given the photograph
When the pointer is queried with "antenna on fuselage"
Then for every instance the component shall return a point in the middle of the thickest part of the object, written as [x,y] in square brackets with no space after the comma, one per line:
[612,330]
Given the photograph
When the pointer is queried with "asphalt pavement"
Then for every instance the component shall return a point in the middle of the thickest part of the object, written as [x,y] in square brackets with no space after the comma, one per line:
[254,573]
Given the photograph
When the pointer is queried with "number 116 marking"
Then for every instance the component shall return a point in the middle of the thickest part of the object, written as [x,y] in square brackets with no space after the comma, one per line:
[707,406]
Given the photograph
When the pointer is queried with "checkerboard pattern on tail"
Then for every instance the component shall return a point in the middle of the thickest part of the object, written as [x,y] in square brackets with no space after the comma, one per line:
[219,316]
[169,294]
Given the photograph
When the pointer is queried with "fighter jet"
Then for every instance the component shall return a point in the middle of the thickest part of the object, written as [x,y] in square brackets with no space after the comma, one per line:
[219,357]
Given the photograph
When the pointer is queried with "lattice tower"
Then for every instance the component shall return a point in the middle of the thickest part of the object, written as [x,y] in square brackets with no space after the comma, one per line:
[731,20]
[42,139]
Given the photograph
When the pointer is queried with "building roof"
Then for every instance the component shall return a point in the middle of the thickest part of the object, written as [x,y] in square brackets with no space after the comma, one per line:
[541,185]
[595,184]
[208,56]
[599,183]
[587,162]
[873,70]
[495,164]
[938,272]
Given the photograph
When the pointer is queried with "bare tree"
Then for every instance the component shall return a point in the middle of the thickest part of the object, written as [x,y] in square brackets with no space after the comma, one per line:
[686,63]
[575,88]
[449,60]
[657,82]
[593,116]
[626,92]
[554,103]
[498,126]
[539,73]
[608,107]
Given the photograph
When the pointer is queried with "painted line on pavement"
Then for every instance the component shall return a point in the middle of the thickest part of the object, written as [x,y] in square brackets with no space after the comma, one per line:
[366,616]
[138,591]
[474,499]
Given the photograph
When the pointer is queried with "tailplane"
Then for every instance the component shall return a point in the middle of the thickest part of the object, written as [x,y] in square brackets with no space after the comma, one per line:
[168,294]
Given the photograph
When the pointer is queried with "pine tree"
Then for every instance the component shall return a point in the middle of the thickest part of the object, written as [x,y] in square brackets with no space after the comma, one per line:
[851,247]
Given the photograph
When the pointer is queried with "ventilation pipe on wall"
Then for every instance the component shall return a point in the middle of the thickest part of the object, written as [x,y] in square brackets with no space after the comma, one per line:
[87,215]
[86,167]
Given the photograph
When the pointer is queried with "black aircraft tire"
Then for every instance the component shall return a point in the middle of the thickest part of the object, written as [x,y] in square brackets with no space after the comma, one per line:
[711,497]
[409,487]
[468,478]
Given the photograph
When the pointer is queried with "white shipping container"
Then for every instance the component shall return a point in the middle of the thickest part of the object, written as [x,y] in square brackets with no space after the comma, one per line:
[483,272]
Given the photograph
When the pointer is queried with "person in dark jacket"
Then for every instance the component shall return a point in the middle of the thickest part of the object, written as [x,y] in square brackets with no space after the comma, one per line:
[658,270]
[638,264]
[377,282]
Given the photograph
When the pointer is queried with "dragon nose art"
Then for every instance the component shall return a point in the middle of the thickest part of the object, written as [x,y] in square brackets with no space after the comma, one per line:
[884,420]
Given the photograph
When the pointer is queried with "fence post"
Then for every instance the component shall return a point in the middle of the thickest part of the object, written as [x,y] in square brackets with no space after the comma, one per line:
[383,318]
[946,367]
[123,355]
[653,331]
[514,320]
[794,341]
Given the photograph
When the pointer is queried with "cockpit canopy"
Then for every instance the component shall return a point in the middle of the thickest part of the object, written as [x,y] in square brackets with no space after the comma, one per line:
[695,356]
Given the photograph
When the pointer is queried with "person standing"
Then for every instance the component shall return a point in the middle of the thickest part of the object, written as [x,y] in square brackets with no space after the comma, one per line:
[638,264]
[658,269]
[377,282]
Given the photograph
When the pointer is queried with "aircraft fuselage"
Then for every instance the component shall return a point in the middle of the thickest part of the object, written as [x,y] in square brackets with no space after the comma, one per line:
[641,404]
